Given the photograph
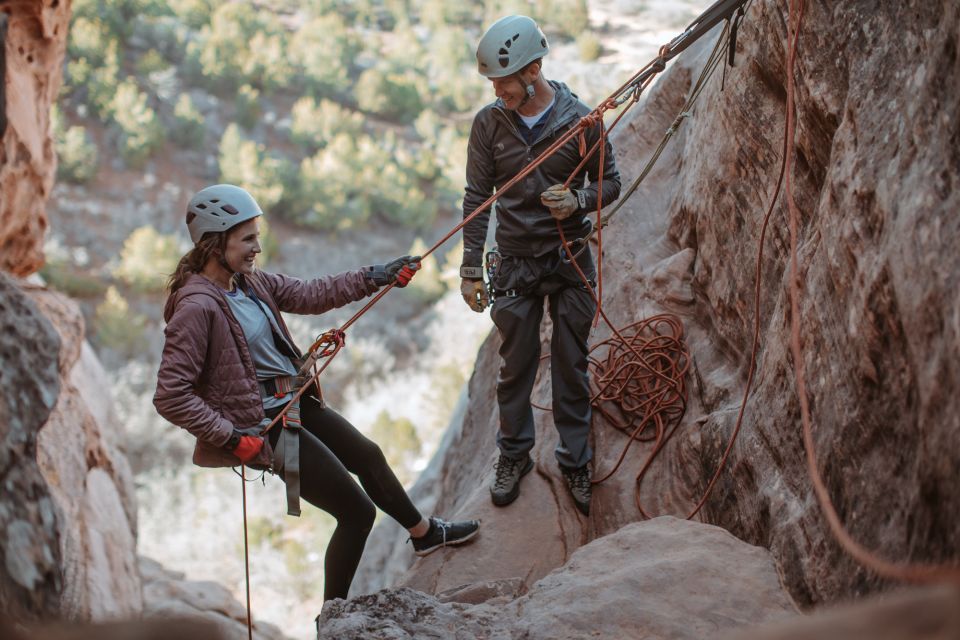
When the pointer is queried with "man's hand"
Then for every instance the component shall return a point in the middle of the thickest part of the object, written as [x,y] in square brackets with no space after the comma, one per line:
[248,448]
[399,271]
[474,294]
[560,200]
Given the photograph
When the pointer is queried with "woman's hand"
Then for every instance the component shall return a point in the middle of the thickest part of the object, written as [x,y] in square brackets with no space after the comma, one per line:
[399,271]
[248,448]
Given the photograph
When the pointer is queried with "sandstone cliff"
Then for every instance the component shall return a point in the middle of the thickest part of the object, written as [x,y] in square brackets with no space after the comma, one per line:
[876,171]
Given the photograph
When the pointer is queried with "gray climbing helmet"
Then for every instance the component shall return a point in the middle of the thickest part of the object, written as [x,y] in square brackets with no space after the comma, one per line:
[509,45]
[218,208]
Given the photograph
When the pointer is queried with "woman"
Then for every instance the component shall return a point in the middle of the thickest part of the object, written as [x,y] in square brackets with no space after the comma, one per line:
[229,366]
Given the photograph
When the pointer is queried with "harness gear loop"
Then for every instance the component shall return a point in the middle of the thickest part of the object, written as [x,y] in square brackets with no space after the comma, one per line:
[287,456]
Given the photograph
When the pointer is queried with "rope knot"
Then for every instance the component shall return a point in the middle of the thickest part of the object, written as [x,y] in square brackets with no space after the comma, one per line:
[677,122]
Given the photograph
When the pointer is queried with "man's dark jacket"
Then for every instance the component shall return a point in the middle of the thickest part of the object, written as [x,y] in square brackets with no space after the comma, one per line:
[497,152]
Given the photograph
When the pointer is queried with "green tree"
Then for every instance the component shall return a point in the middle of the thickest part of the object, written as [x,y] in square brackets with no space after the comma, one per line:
[147,259]
[116,326]
[247,164]
[428,285]
[77,155]
[391,94]
[188,123]
[247,106]
[141,133]
[325,49]
[314,124]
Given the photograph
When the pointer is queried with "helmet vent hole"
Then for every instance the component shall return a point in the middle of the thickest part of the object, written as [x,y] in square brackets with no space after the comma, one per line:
[503,52]
[201,206]
[504,61]
[515,36]
[229,208]
[214,200]
[543,42]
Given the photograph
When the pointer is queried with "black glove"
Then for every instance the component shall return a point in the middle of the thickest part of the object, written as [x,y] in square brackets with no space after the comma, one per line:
[400,270]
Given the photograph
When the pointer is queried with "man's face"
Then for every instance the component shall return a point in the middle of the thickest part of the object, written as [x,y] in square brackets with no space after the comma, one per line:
[510,90]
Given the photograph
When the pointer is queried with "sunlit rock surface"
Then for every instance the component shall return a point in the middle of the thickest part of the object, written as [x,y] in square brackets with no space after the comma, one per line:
[33,36]
[876,173]
[665,578]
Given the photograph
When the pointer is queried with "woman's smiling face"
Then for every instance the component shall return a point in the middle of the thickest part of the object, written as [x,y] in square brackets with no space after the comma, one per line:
[243,245]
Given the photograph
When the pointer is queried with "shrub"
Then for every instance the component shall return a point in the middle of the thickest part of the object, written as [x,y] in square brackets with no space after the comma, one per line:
[194,13]
[88,39]
[391,94]
[188,123]
[248,107]
[147,259]
[140,128]
[116,327]
[428,284]
[314,125]
[65,277]
[245,163]
[151,62]
[325,49]
[589,46]
[333,195]
[77,156]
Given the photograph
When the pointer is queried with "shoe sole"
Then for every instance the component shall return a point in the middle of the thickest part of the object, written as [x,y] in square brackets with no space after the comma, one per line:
[452,543]
[513,495]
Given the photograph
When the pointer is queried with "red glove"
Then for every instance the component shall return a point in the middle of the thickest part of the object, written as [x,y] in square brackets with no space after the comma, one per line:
[405,275]
[248,448]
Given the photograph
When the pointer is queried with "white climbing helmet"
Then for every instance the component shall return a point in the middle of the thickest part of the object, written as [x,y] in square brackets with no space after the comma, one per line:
[218,208]
[509,45]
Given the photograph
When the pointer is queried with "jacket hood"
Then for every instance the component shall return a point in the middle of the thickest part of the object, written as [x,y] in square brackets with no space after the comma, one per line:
[195,285]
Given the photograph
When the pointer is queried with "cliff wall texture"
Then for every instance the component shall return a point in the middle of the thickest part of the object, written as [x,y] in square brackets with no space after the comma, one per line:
[33,36]
[877,162]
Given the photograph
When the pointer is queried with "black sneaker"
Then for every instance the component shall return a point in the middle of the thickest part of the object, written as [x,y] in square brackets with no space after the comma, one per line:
[578,482]
[506,483]
[443,533]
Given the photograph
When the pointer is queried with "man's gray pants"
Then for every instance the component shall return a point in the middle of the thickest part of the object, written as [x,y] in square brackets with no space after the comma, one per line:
[518,319]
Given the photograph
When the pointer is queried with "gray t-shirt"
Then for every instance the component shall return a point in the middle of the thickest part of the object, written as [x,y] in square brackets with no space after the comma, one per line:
[267,359]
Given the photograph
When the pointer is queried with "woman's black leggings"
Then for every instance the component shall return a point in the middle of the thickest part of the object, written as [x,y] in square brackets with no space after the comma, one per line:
[330,450]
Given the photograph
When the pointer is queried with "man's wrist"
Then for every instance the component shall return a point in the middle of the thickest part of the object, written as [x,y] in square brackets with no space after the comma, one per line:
[471,273]
[581,197]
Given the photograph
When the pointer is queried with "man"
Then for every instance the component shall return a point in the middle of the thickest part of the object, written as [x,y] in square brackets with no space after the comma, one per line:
[530,113]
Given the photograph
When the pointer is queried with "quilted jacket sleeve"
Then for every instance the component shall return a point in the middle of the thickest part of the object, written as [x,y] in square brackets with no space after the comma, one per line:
[181,364]
[319,295]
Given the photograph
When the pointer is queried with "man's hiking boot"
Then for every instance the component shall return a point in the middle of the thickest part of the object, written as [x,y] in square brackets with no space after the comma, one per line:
[443,533]
[578,482]
[506,483]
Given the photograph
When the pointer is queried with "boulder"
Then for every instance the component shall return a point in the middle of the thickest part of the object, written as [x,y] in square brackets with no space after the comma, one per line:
[664,578]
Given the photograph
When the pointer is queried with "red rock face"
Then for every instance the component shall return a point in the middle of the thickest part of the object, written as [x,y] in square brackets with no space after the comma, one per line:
[876,173]
[34,44]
